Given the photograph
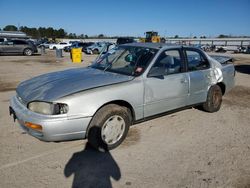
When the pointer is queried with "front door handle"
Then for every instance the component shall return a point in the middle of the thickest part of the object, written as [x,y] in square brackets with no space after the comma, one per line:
[184,81]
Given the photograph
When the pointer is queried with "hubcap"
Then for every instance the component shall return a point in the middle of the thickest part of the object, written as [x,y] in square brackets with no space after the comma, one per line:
[28,52]
[113,129]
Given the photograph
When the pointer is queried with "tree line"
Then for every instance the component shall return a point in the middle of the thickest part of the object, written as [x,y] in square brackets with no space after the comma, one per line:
[50,32]
[44,32]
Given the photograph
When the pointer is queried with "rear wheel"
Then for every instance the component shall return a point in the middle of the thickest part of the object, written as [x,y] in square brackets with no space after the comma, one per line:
[27,52]
[109,127]
[214,99]
[95,51]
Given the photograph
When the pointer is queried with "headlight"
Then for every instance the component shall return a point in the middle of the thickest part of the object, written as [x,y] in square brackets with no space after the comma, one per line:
[48,108]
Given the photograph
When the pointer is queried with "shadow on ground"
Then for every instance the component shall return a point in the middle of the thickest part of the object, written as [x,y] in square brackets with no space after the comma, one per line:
[92,168]
[245,69]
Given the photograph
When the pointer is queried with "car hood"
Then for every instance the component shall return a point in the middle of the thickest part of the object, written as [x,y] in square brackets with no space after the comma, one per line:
[52,86]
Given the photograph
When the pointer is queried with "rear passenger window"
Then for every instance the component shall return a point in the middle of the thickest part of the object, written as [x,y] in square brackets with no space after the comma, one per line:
[1,41]
[19,42]
[196,61]
[170,61]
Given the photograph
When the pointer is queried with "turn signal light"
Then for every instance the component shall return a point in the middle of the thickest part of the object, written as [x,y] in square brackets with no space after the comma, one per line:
[34,126]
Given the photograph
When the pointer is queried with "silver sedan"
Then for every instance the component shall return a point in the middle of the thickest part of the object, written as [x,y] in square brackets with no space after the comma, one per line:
[129,83]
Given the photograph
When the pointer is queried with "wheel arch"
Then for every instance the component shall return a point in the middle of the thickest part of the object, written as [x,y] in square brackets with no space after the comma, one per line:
[117,102]
[222,87]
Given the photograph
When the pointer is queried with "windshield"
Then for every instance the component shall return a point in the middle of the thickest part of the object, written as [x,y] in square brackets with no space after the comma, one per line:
[128,60]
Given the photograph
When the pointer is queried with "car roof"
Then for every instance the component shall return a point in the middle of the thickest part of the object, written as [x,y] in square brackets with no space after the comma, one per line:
[159,45]
[152,45]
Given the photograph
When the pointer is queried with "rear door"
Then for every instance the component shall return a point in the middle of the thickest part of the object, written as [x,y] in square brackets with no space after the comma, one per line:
[169,91]
[198,68]
[19,46]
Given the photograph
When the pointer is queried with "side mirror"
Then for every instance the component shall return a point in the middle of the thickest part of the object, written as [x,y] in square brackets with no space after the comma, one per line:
[129,58]
[157,72]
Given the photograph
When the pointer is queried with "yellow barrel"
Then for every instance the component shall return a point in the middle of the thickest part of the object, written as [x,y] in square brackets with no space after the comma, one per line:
[76,55]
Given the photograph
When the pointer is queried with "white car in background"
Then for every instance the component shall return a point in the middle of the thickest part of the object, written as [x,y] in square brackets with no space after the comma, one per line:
[59,45]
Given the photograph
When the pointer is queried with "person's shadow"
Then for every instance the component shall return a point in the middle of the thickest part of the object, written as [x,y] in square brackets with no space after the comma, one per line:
[92,168]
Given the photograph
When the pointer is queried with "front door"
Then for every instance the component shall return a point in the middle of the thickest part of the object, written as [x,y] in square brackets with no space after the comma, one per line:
[8,47]
[169,91]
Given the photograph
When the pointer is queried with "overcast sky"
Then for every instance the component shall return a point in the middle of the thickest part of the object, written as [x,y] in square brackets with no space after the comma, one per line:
[131,17]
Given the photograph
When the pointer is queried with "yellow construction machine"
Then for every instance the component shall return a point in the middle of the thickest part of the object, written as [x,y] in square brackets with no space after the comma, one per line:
[152,36]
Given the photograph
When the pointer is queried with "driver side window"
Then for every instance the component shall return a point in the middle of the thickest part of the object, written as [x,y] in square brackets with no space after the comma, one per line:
[169,61]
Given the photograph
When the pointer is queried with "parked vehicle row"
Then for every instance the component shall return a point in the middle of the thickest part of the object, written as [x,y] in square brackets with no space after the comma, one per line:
[242,49]
[82,45]
[14,45]
[98,47]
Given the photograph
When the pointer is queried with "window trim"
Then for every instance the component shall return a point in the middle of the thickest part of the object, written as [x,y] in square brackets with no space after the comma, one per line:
[185,49]
[181,57]
[17,42]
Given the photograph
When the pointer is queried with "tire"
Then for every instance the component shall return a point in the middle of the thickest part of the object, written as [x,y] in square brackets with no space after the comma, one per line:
[54,48]
[27,52]
[95,51]
[214,99]
[109,127]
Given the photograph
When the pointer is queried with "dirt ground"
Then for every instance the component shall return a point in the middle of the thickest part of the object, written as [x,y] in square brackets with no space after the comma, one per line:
[189,148]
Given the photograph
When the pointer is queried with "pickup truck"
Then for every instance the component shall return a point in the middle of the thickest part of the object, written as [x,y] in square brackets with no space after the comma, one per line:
[128,84]
[60,45]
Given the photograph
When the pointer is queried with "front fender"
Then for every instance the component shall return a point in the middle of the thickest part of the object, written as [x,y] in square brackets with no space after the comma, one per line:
[86,103]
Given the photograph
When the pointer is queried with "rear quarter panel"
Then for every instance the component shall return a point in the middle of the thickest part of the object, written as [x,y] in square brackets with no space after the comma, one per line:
[228,72]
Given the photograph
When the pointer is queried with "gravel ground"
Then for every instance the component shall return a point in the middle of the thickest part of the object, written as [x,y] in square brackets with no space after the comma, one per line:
[189,148]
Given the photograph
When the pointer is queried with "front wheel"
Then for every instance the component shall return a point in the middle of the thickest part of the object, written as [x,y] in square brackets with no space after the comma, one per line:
[27,52]
[109,127]
[214,99]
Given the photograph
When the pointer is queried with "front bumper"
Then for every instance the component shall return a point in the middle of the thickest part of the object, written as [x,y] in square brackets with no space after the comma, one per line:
[54,127]
[35,50]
